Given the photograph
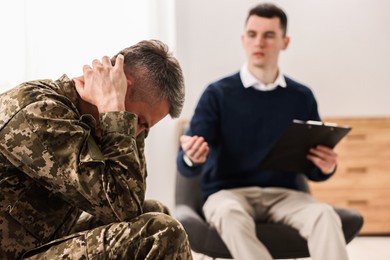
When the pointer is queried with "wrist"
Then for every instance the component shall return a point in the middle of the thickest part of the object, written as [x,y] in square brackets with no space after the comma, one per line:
[111,107]
[189,162]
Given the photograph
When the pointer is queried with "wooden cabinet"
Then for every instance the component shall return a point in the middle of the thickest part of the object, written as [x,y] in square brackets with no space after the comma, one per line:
[362,180]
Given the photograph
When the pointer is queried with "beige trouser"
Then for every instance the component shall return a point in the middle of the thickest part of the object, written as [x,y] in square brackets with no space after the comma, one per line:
[234,212]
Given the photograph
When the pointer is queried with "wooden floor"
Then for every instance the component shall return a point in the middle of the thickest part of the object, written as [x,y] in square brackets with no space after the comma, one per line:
[361,248]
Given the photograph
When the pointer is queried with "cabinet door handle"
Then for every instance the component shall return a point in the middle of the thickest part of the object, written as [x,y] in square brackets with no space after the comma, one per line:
[358,170]
[356,137]
[357,202]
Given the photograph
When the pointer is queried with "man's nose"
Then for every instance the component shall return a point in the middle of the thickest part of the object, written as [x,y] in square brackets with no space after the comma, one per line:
[260,40]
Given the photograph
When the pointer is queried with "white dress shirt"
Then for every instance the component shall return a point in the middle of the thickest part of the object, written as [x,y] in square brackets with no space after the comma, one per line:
[248,80]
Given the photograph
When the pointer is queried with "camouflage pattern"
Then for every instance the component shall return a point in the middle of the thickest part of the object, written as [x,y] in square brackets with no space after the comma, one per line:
[54,166]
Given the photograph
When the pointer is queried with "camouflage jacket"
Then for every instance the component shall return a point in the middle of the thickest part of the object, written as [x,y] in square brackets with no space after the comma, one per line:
[53,166]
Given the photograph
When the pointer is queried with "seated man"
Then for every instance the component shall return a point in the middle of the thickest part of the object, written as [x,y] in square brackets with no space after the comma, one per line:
[73,146]
[235,124]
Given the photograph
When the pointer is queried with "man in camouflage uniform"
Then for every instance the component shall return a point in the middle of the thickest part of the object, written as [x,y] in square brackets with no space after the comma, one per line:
[69,147]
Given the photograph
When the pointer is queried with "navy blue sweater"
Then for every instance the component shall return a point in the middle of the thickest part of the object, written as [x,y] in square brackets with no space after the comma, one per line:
[241,125]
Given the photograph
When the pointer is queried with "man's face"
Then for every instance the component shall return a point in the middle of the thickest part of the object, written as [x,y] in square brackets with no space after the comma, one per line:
[148,115]
[262,41]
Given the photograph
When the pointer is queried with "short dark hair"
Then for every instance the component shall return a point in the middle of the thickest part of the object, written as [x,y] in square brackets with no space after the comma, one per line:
[156,73]
[269,10]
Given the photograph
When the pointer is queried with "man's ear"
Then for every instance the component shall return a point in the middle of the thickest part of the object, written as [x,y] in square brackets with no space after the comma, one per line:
[242,40]
[129,88]
[286,42]
[129,83]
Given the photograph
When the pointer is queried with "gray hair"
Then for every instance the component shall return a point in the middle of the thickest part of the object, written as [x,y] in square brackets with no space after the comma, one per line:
[157,74]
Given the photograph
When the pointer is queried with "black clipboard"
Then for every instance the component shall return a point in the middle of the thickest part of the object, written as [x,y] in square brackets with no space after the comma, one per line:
[290,150]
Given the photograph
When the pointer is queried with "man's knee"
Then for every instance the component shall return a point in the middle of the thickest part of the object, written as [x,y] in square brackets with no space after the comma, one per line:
[324,214]
[326,211]
[153,234]
[221,207]
[168,234]
[154,206]
[164,225]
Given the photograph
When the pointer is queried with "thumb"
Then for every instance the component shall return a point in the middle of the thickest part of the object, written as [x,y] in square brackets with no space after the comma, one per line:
[185,138]
[119,61]
[79,84]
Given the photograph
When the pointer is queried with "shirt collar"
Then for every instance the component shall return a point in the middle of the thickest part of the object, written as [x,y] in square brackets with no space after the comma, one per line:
[248,80]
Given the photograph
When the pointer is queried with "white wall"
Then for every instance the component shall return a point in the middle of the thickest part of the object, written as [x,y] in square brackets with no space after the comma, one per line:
[339,48]
[45,38]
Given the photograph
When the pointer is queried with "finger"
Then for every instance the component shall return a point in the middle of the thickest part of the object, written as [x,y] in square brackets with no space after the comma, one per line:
[86,68]
[324,166]
[187,145]
[79,79]
[119,61]
[184,138]
[202,151]
[198,142]
[325,153]
[79,84]
[76,81]
[96,63]
[316,161]
[324,149]
[195,146]
[325,162]
[106,61]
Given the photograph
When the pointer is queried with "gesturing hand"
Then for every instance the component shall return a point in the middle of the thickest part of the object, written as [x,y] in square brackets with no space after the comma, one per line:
[195,147]
[103,85]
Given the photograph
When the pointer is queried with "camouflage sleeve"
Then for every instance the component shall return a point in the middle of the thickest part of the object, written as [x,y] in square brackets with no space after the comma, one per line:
[51,144]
